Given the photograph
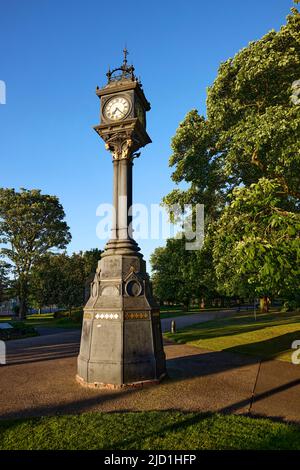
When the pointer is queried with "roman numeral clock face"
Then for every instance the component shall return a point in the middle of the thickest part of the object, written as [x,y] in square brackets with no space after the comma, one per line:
[116,108]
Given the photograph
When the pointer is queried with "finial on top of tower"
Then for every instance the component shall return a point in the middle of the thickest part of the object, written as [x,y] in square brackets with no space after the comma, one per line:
[127,72]
[125,51]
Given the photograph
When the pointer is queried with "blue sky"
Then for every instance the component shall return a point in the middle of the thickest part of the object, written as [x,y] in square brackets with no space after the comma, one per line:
[54,53]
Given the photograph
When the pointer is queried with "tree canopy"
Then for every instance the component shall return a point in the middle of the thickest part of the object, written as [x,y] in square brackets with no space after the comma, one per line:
[62,280]
[242,162]
[31,224]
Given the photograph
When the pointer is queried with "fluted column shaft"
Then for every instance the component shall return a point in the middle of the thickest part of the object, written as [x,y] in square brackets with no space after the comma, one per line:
[114,228]
[124,198]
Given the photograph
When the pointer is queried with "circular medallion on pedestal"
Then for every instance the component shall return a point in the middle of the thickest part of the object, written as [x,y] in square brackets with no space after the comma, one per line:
[133,288]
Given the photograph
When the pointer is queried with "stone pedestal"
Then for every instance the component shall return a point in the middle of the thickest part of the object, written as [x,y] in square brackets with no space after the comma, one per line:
[121,342]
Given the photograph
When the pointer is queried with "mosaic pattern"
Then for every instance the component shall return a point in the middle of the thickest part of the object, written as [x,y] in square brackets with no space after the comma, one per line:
[88,316]
[136,316]
[106,316]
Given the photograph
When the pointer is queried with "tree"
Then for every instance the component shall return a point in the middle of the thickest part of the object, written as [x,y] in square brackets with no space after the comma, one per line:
[45,281]
[252,128]
[71,291]
[256,244]
[247,148]
[61,279]
[91,259]
[179,274]
[31,224]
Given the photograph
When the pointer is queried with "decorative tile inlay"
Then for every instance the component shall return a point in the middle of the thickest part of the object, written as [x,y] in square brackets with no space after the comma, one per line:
[136,316]
[87,316]
[106,316]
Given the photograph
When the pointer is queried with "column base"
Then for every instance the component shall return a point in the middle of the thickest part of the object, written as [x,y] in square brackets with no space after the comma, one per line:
[141,384]
[121,342]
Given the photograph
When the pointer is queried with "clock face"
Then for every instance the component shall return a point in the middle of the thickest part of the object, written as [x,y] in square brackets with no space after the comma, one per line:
[116,108]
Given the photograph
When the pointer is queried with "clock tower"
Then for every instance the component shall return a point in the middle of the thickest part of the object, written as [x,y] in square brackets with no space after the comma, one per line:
[121,341]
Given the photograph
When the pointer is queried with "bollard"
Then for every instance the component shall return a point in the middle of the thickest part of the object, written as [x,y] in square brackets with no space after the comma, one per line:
[173,326]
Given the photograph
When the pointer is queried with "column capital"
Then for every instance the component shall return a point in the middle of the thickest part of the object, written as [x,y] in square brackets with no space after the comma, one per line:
[120,148]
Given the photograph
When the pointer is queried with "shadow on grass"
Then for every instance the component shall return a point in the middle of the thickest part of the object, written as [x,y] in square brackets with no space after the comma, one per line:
[268,348]
[232,326]
[226,435]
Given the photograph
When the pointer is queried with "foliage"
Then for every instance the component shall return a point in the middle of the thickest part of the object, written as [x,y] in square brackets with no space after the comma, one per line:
[242,161]
[60,279]
[172,272]
[91,258]
[19,330]
[256,243]
[75,316]
[31,224]
[179,274]
[44,281]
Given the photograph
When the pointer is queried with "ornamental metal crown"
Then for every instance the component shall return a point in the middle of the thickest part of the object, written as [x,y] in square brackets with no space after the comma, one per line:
[126,72]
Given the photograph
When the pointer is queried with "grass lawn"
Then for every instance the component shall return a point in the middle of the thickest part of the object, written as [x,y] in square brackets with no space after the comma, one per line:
[269,336]
[170,312]
[148,431]
[47,320]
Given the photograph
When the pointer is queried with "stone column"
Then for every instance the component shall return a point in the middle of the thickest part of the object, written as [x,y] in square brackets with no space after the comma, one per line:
[114,228]
[129,196]
[123,200]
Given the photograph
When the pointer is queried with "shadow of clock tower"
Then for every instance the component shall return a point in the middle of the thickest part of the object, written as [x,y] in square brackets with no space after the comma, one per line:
[121,340]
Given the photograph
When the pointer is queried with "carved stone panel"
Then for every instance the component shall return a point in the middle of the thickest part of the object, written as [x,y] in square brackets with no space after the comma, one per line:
[111,291]
[111,267]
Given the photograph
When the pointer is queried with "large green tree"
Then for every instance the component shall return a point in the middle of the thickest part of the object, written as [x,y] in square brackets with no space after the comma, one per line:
[171,272]
[59,279]
[252,128]
[180,275]
[256,244]
[31,224]
[242,162]
[45,281]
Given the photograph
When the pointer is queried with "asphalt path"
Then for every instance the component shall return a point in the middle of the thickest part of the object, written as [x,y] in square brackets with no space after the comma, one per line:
[39,379]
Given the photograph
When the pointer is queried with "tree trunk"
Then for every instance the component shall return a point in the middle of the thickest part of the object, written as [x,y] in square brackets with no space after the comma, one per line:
[22,292]
[23,309]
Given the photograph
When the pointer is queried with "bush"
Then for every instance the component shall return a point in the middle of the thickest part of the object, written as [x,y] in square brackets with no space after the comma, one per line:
[75,316]
[290,306]
[19,330]
[60,314]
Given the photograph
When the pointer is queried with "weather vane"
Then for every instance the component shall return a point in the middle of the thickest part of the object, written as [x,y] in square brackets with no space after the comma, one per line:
[125,56]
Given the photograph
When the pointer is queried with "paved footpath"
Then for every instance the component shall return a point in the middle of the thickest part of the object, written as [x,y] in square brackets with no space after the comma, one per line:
[186,320]
[39,380]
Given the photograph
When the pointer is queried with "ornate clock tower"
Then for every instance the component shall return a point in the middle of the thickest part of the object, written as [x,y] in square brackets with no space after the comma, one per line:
[121,341]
